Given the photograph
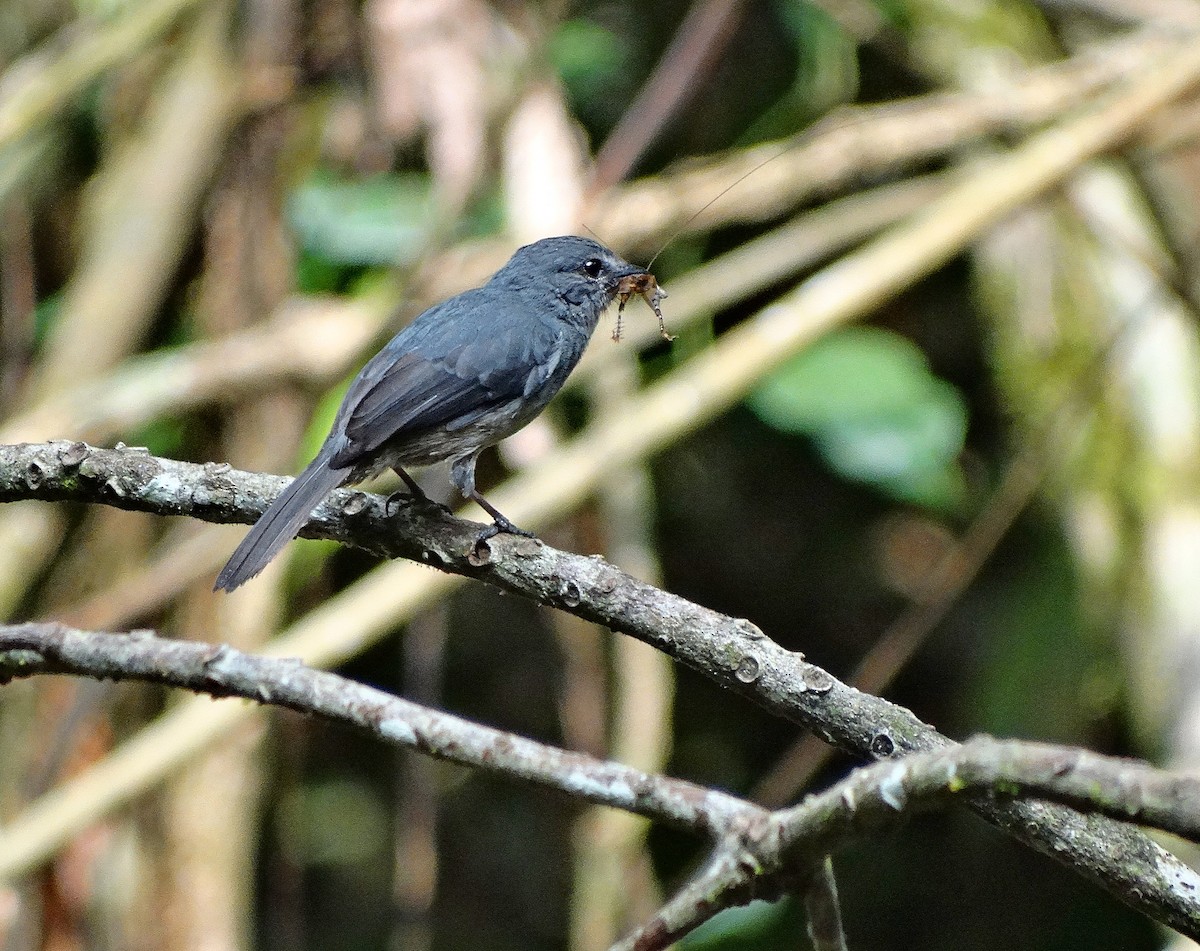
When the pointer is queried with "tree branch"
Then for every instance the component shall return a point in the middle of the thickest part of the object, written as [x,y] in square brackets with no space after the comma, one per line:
[222,671]
[881,796]
[757,852]
[731,651]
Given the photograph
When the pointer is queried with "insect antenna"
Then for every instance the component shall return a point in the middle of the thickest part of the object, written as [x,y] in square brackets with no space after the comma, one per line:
[584,226]
[712,201]
[645,285]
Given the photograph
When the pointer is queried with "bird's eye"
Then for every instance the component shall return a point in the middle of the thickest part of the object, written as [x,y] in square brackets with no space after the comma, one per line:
[592,267]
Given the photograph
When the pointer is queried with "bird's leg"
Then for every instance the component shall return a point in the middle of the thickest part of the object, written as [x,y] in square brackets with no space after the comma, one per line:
[462,474]
[414,496]
[499,524]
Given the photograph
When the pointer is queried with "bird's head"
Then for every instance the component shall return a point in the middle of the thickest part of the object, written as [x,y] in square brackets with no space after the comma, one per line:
[579,273]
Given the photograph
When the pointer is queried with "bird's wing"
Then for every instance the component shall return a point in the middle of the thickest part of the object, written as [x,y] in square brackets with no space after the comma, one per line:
[439,373]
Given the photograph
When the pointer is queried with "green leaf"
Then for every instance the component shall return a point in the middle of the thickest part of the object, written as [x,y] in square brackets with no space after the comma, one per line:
[317,275]
[381,220]
[593,64]
[44,315]
[334,822]
[874,411]
[743,926]
[585,53]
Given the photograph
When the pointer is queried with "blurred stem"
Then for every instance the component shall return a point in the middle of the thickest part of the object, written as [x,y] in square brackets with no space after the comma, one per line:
[315,340]
[1059,436]
[859,18]
[44,82]
[1157,14]
[941,590]
[310,341]
[415,858]
[780,255]
[543,164]
[209,862]
[677,78]
[1057,282]
[835,153]
[184,555]
[610,847]
[138,217]
[18,295]
[20,160]
[211,821]
[141,213]
[824,911]
[164,383]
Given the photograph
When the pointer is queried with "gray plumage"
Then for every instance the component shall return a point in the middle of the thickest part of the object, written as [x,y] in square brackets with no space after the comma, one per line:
[465,374]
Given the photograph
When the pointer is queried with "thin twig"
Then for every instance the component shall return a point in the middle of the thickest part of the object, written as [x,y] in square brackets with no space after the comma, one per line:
[222,671]
[714,888]
[825,927]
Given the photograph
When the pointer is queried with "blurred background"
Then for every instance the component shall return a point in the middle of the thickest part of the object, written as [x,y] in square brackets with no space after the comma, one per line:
[978,497]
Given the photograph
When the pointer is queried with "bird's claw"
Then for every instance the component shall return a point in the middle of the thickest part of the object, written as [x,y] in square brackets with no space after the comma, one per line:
[501,526]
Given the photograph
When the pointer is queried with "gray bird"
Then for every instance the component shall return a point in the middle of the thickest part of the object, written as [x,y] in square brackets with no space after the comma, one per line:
[461,377]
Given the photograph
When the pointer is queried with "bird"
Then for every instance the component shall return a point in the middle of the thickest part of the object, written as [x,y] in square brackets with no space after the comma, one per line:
[465,374]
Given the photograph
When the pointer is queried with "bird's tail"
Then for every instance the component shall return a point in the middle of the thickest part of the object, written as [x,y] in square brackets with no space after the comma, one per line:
[280,522]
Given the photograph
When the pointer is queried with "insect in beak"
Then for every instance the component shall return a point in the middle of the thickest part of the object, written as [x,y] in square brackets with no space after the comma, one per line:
[647,288]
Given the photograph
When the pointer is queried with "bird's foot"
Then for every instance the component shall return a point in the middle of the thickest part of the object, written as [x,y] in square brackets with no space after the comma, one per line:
[501,525]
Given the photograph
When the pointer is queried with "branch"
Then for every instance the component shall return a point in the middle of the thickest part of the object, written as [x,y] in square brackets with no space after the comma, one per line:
[731,651]
[882,796]
[874,796]
[714,888]
[758,852]
[222,671]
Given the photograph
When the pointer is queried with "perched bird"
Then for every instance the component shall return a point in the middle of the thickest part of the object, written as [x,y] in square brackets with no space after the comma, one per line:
[461,377]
